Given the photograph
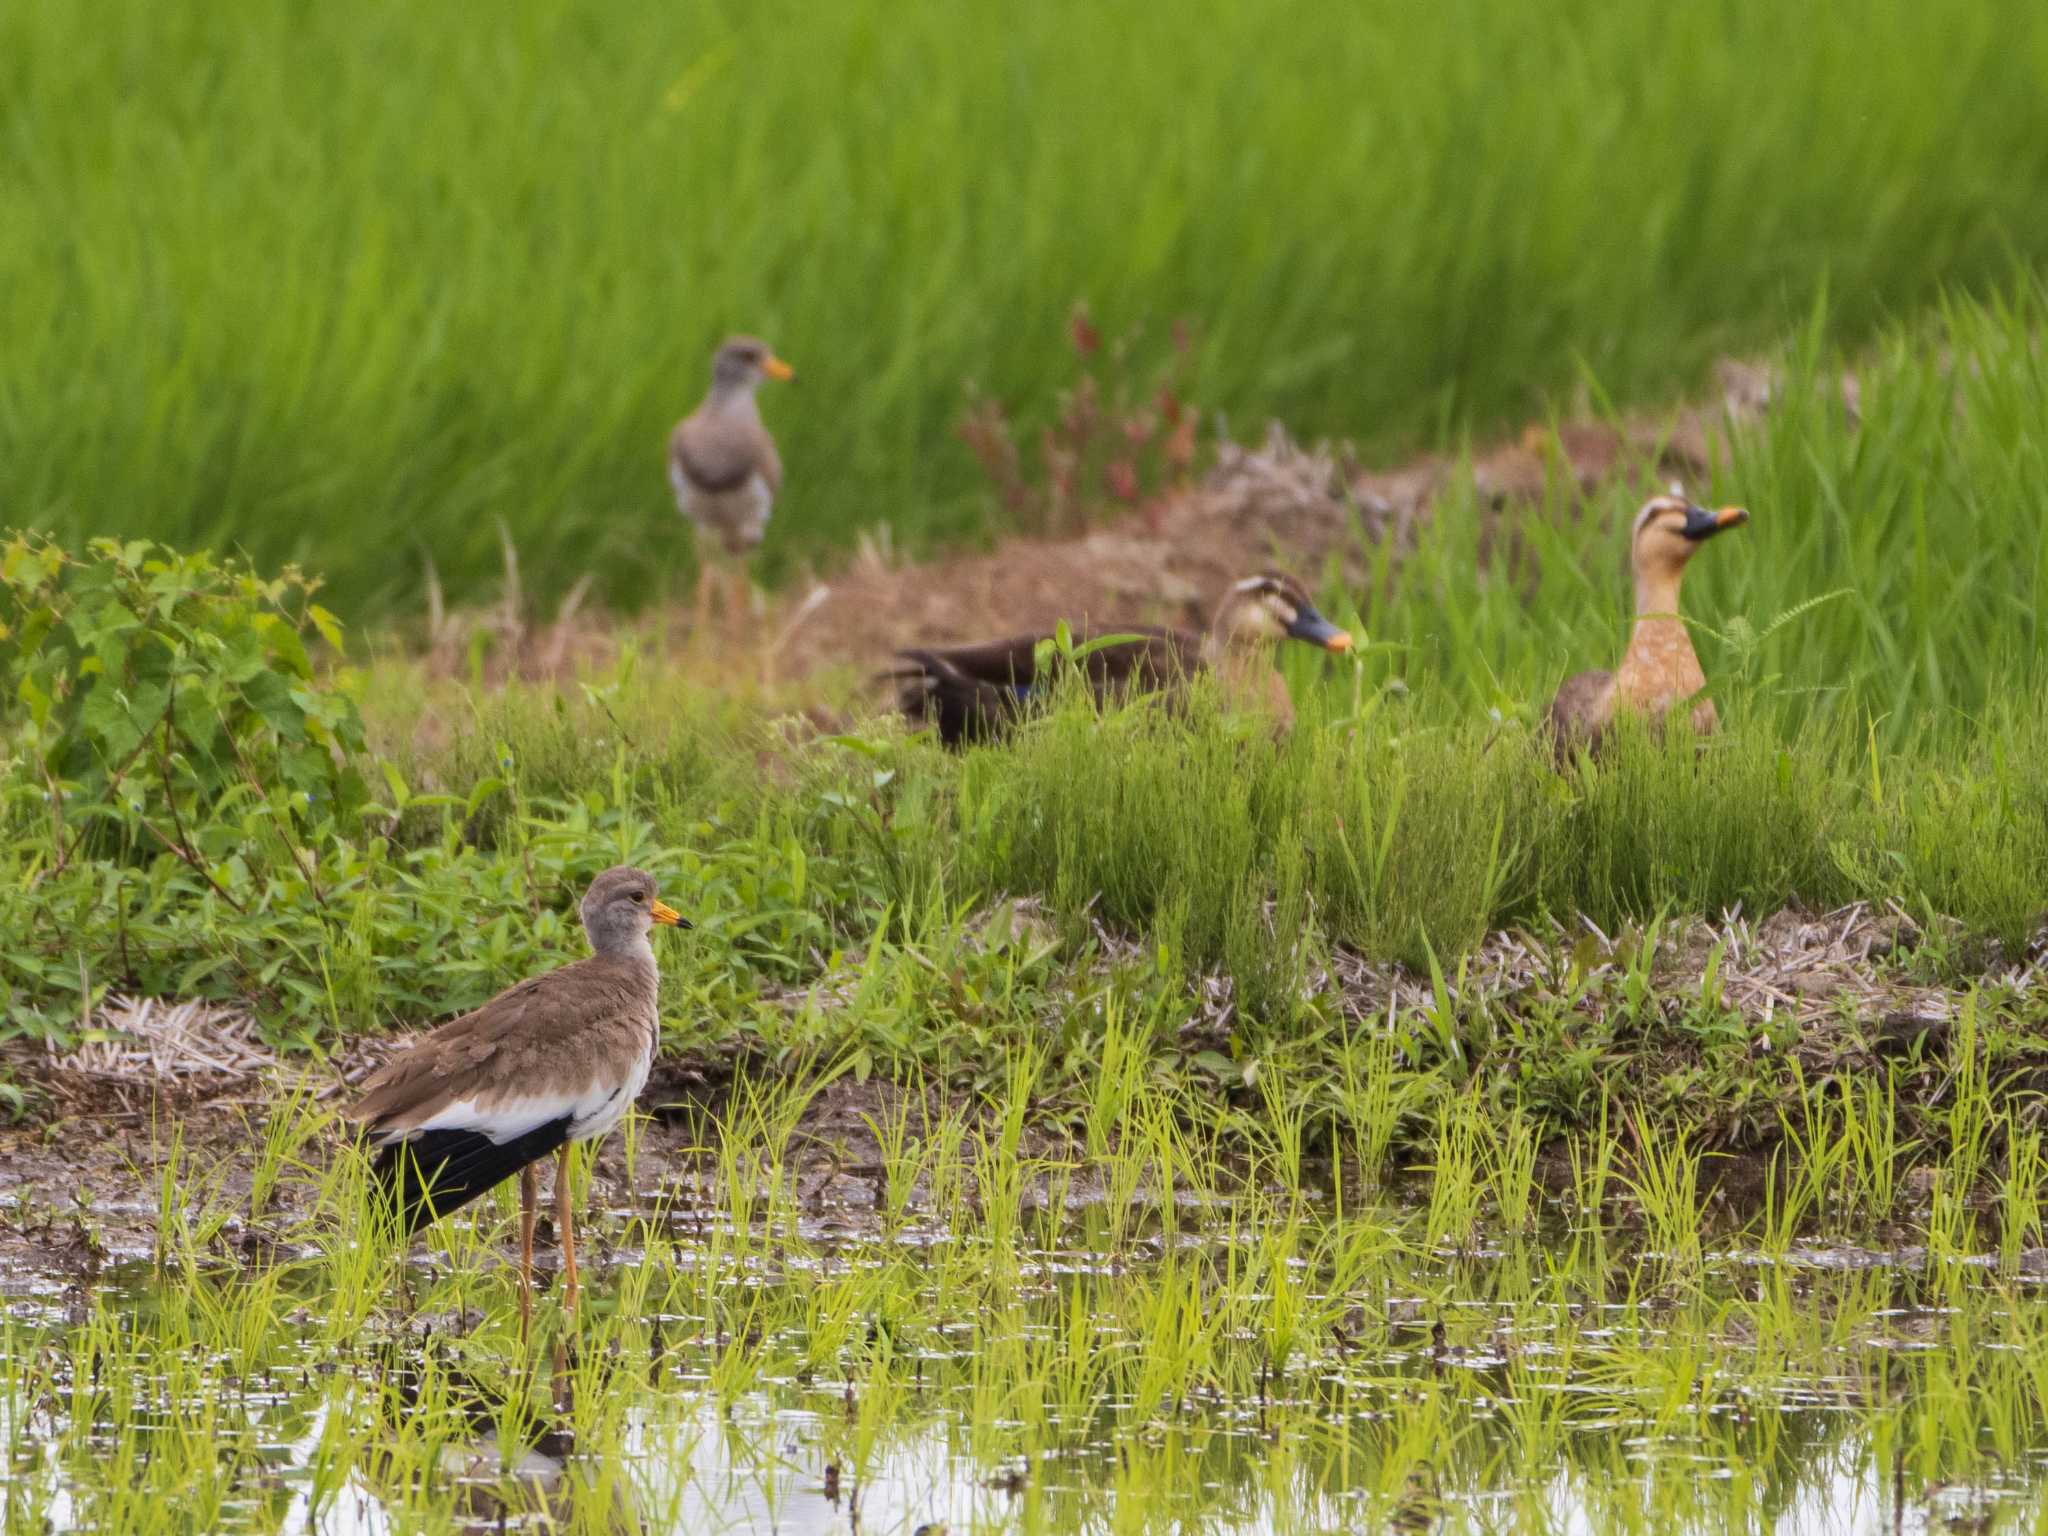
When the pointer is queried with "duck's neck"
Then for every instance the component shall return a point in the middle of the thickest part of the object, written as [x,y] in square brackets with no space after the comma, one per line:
[1245,675]
[1657,597]
[1660,663]
[1222,647]
[1230,659]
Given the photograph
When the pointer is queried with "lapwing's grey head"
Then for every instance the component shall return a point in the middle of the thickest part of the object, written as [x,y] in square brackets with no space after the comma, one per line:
[620,909]
[742,362]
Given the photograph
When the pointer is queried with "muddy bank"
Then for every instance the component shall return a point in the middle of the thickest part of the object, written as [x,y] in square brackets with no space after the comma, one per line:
[1825,1001]
[1273,503]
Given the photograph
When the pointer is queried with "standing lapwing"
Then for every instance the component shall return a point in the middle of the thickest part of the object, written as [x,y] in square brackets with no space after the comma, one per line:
[972,692]
[1660,669]
[722,463]
[555,1060]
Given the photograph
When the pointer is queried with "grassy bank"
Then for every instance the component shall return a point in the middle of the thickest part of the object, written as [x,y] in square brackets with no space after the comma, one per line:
[380,846]
[355,287]
[857,898]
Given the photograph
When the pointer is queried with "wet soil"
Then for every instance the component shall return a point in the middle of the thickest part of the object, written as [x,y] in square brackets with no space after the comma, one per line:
[80,1191]
[1839,994]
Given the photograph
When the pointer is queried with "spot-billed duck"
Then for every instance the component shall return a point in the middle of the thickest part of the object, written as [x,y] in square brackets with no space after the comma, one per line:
[973,692]
[1659,669]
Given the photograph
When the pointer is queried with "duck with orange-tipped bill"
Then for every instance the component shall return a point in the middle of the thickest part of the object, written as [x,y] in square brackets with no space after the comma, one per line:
[1659,671]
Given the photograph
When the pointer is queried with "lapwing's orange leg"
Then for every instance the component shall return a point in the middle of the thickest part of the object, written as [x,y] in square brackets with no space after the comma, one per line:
[529,1213]
[564,1383]
[565,1219]
[701,627]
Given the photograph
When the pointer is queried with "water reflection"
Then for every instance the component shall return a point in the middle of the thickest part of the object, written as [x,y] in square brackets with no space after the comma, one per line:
[501,1456]
[1513,1390]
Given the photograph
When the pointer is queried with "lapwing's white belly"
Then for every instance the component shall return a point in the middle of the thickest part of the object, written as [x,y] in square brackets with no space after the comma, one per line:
[592,1110]
[738,517]
[602,1117]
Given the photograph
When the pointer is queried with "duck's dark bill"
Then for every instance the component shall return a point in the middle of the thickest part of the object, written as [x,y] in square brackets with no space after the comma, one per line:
[1316,630]
[1702,524]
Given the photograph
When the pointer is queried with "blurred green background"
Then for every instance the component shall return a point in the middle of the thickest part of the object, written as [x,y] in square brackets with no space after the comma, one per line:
[352,285]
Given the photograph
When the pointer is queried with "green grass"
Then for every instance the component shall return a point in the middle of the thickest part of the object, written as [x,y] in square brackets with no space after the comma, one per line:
[856,894]
[355,286]
[856,902]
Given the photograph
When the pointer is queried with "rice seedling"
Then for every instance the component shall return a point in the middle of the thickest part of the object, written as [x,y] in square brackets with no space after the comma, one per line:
[1663,1182]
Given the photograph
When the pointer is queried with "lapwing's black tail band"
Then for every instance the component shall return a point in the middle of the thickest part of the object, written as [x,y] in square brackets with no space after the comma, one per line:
[441,1171]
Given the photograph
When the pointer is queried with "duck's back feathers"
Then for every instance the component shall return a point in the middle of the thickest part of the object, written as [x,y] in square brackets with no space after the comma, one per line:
[1580,712]
[933,690]
[972,692]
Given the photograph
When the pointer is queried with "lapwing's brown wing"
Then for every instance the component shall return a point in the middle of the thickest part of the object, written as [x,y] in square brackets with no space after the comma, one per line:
[485,1094]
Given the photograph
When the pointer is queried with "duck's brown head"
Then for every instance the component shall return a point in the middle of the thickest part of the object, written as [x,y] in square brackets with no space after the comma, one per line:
[741,362]
[1670,528]
[1274,607]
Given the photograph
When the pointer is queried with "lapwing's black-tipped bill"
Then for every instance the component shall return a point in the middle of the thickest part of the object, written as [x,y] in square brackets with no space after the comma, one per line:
[1702,524]
[1316,630]
[668,915]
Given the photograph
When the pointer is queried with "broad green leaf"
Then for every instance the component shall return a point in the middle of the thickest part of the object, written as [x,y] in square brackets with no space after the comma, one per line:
[327,624]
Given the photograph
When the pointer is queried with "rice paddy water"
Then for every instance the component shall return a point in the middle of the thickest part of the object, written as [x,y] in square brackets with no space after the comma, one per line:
[936,1319]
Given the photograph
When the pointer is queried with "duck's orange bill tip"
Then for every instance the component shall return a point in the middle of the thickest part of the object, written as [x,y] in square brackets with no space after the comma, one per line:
[664,913]
[1728,517]
[776,368]
[1339,642]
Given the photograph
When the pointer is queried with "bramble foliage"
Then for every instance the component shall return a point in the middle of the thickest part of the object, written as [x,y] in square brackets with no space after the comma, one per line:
[1121,438]
[157,690]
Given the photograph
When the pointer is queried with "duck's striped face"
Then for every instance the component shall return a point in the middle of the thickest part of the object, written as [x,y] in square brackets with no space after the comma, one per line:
[1278,608]
[1669,528]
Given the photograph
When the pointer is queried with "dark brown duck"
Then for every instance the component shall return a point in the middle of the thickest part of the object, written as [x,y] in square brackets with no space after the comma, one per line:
[973,692]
